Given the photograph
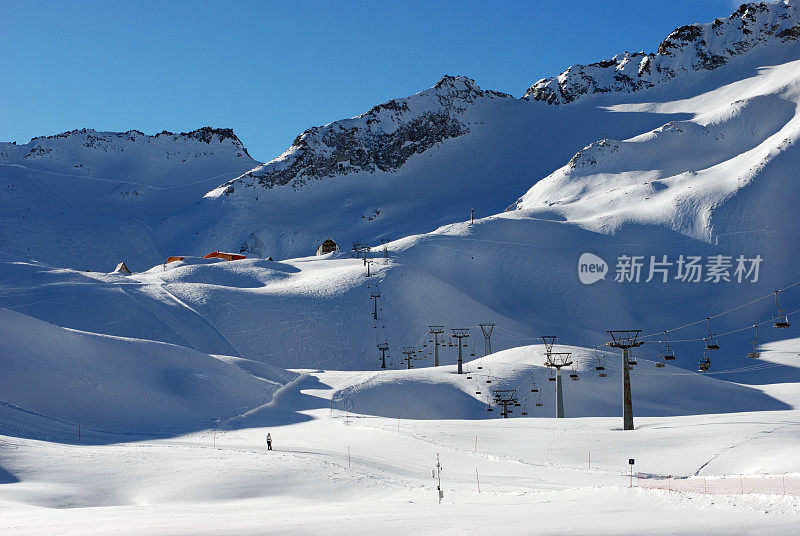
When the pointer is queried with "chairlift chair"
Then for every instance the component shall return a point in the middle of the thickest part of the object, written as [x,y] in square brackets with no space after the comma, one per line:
[704,364]
[660,364]
[539,402]
[754,354]
[602,375]
[781,319]
[710,344]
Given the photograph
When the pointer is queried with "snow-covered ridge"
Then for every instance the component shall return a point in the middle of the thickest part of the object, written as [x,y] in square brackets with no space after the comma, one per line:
[381,139]
[695,47]
[89,141]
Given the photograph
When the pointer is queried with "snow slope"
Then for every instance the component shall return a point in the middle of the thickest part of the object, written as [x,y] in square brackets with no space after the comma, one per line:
[88,199]
[55,379]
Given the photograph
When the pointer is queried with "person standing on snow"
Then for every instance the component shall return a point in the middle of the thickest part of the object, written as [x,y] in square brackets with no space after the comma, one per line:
[269,441]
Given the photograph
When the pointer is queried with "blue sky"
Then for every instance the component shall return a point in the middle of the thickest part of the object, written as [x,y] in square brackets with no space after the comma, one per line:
[269,70]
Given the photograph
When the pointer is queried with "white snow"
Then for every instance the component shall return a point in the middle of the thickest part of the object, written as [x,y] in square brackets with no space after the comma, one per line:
[139,404]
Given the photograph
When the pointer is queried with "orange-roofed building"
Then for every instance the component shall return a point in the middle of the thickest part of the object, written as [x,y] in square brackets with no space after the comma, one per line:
[225,255]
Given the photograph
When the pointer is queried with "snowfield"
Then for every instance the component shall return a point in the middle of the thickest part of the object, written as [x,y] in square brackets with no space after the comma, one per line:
[139,403]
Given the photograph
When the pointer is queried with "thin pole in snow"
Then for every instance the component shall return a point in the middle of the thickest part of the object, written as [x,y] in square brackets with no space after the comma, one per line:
[476,445]
[741,483]
[348,455]
[590,460]
[478,480]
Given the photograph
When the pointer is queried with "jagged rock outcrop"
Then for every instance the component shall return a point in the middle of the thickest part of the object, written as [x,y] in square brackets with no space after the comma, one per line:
[689,48]
[382,139]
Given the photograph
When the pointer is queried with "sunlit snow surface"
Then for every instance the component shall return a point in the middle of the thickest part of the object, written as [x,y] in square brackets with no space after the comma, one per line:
[139,404]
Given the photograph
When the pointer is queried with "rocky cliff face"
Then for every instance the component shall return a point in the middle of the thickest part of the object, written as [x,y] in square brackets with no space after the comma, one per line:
[689,48]
[382,139]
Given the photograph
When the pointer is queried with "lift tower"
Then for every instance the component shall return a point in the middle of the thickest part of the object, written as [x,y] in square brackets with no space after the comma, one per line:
[409,351]
[626,339]
[504,397]
[460,334]
[374,297]
[383,347]
[487,338]
[435,331]
[559,360]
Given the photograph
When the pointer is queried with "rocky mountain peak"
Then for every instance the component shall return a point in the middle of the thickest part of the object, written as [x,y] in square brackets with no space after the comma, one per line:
[693,47]
[381,139]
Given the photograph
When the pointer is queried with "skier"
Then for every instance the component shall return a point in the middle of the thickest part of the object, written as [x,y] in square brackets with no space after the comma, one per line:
[269,441]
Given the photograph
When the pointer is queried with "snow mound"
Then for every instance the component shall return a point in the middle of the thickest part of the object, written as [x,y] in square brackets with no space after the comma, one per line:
[54,379]
[440,393]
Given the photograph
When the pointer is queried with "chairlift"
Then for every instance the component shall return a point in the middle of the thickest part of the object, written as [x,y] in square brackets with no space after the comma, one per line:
[781,319]
[469,377]
[480,367]
[660,364]
[573,375]
[667,353]
[477,392]
[539,402]
[710,344]
[600,359]
[472,354]
[488,381]
[524,411]
[632,361]
[754,354]
[602,375]
[489,409]
[704,364]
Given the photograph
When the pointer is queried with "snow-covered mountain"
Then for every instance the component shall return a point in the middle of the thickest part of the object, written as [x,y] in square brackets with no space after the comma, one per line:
[90,199]
[688,49]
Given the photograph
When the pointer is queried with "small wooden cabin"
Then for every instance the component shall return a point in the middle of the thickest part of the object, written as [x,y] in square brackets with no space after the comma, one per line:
[121,269]
[329,246]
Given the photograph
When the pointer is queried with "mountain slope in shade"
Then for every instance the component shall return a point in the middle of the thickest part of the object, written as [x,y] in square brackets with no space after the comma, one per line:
[90,199]
[114,384]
